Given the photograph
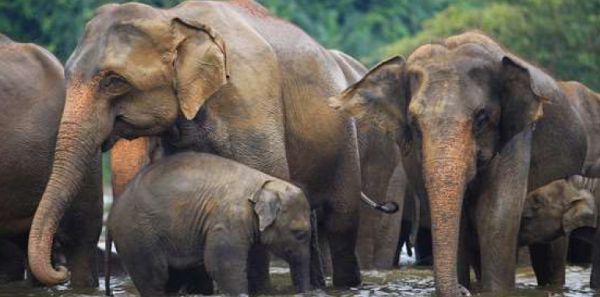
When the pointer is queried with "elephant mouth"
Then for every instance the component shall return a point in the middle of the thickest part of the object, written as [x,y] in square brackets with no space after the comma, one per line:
[109,143]
[126,130]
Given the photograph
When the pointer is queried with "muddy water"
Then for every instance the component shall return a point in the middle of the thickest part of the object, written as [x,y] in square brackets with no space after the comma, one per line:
[409,281]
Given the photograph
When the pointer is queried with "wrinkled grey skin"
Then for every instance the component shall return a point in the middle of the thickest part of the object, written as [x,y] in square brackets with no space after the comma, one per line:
[379,156]
[476,124]
[193,217]
[210,76]
[558,209]
[32,96]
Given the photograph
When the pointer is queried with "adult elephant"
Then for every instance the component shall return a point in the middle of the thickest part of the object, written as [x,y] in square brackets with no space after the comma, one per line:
[379,156]
[220,77]
[473,124]
[32,96]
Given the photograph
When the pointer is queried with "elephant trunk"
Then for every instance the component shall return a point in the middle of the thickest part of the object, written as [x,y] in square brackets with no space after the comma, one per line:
[446,169]
[75,149]
[300,270]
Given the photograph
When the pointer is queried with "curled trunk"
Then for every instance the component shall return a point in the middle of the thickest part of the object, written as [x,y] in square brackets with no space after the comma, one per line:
[446,167]
[75,149]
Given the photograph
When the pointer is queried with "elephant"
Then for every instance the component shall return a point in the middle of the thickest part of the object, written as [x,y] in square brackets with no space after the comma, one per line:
[221,77]
[475,123]
[32,96]
[194,217]
[129,157]
[12,259]
[379,157]
[559,209]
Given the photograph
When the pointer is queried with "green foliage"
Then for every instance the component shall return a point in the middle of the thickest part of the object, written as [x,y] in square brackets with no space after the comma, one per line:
[562,36]
[358,27]
[54,24]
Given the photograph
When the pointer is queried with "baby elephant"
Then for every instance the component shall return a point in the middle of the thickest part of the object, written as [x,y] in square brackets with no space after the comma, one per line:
[191,218]
[561,208]
[555,210]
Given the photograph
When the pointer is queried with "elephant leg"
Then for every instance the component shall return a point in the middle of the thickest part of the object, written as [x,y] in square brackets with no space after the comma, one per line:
[12,262]
[82,226]
[226,263]
[342,241]
[401,240]
[342,218]
[317,275]
[200,282]
[193,280]
[365,246]
[148,270]
[258,269]
[580,251]
[325,251]
[498,212]
[548,261]
[595,277]
[475,260]
[389,229]
[464,263]
[374,184]
[424,248]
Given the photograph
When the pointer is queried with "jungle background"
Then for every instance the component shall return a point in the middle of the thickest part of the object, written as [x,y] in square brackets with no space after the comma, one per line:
[561,36]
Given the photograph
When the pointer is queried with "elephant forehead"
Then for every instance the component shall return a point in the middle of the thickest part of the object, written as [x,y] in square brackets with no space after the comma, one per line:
[127,20]
[117,12]
[439,91]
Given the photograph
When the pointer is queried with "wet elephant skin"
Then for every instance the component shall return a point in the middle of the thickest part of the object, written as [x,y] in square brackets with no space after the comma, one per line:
[32,96]
[220,77]
[192,218]
[478,124]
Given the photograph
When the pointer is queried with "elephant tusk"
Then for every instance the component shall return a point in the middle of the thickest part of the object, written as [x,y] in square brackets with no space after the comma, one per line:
[386,207]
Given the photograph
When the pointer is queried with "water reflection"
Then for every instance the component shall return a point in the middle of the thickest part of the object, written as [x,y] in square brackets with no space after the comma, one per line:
[409,281]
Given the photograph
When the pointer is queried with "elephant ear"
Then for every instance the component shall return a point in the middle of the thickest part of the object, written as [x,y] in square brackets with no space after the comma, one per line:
[378,97]
[266,206]
[582,212]
[200,65]
[526,89]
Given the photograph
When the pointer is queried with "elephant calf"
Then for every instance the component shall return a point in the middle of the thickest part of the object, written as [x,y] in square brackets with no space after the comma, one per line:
[561,208]
[193,217]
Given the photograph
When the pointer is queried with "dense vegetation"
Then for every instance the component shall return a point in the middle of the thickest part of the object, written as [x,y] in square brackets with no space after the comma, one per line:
[561,35]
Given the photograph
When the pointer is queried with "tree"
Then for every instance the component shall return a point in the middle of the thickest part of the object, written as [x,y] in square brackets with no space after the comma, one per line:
[562,36]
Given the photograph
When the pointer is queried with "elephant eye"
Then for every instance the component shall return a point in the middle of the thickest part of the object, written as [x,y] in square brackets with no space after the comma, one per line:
[114,84]
[300,235]
[481,120]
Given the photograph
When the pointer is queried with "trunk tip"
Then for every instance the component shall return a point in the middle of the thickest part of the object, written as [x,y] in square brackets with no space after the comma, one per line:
[56,276]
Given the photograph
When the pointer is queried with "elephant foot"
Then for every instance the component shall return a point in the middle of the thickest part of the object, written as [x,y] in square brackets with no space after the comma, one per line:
[463,291]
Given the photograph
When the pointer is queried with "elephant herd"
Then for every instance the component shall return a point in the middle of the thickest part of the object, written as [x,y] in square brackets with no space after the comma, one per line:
[234,135]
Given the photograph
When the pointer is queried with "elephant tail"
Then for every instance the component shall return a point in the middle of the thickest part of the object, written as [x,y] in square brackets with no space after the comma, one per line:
[388,207]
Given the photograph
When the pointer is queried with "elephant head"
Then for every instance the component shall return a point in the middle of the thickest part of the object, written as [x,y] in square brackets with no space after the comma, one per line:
[283,215]
[453,107]
[554,210]
[134,71]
